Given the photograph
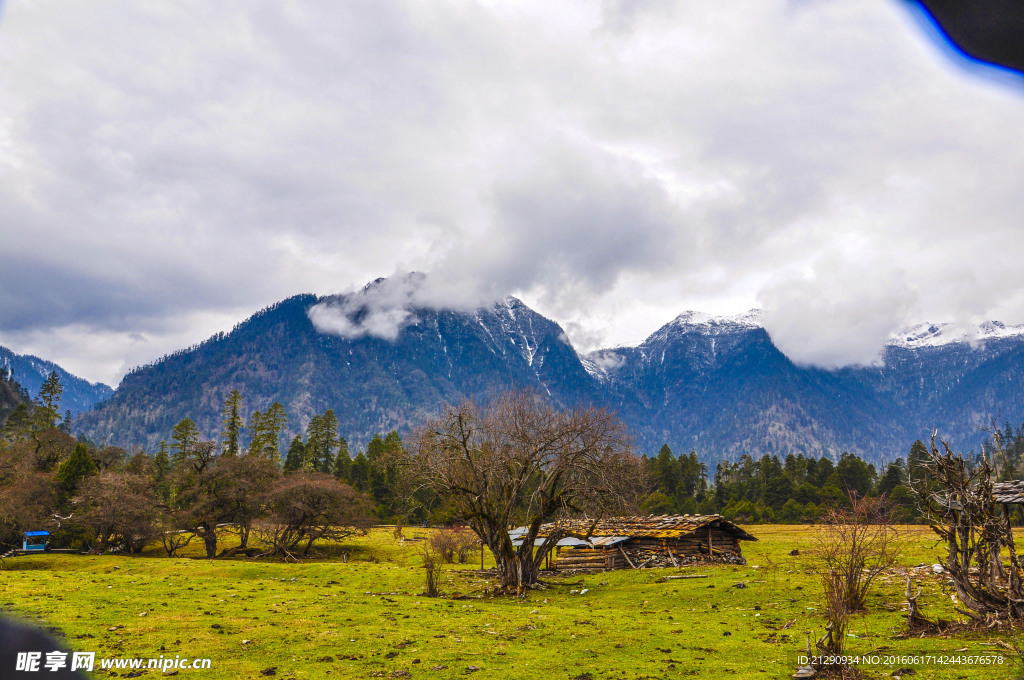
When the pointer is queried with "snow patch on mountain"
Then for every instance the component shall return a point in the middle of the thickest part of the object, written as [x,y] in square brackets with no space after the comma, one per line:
[748,319]
[939,334]
[602,363]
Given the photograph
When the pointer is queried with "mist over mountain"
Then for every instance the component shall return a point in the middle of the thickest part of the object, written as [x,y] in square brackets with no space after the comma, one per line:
[717,385]
[374,384]
[30,372]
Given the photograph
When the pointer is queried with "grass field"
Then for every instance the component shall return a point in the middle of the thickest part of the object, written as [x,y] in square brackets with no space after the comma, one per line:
[365,618]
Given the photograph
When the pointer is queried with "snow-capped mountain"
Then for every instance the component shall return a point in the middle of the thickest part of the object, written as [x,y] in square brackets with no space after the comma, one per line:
[374,384]
[716,385]
[938,334]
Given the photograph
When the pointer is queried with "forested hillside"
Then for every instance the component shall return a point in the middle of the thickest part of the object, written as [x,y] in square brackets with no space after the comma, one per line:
[31,371]
[717,386]
[372,384]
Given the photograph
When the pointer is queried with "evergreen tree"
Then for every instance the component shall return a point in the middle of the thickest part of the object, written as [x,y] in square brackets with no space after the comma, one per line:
[162,471]
[65,425]
[666,472]
[343,461]
[377,482]
[19,423]
[77,467]
[274,422]
[777,490]
[232,423]
[266,432]
[360,474]
[856,475]
[823,469]
[774,488]
[893,477]
[184,438]
[916,459]
[321,440]
[48,410]
[394,462]
[807,493]
[694,477]
[296,455]
[255,425]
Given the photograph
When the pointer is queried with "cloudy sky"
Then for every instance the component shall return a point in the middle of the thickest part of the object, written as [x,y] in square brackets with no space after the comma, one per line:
[168,168]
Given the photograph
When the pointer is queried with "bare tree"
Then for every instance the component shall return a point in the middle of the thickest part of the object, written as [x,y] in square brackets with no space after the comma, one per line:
[120,509]
[958,503]
[454,543]
[243,490]
[855,545]
[27,504]
[202,492]
[520,461]
[172,535]
[307,507]
[433,568]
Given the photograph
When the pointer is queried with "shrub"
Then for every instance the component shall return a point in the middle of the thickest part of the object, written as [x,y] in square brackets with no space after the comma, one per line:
[454,543]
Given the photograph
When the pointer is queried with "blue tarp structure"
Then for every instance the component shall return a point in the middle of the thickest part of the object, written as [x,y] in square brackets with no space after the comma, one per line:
[35,540]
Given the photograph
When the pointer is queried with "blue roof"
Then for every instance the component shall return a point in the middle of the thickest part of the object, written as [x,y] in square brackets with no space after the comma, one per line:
[37,533]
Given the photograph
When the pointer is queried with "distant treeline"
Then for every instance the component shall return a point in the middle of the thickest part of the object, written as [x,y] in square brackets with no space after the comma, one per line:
[288,497]
[794,490]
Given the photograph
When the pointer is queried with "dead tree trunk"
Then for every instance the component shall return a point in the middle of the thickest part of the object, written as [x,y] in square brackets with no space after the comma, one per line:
[957,500]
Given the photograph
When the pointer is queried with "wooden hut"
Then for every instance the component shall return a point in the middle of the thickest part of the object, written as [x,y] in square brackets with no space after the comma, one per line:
[1007,494]
[654,541]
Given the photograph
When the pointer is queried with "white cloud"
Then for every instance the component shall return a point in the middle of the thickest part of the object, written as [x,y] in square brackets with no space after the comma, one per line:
[612,164]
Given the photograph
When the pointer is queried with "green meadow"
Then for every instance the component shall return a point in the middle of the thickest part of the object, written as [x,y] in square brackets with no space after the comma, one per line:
[366,617]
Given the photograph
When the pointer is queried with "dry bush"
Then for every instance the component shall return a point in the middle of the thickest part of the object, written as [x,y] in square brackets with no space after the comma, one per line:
[174,533]
[119,508]
[175,540]
[307,507]
[454,543]
[433,568]
[854,546]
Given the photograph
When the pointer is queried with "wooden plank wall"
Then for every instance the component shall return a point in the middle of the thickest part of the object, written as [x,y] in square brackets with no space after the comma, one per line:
[655,552]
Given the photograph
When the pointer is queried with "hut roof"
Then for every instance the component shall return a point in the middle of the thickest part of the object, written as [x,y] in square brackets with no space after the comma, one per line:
[1008,492]
[661,526]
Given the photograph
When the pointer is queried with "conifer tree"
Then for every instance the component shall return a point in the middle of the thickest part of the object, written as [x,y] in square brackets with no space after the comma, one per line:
[666,472]
[266,431]
[892,478]
[184,438]
[255,426]
[296,455]
[694,476]
[321,440]
[359,477]
[161,471]
[916,461]
[48,410]
[274,422]
[19,423]
[343,461]
[232,423]
[377,482]
[77,467]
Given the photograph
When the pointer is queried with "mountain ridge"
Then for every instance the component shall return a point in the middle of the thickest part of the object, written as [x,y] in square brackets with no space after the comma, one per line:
[30,372]
[717,385]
